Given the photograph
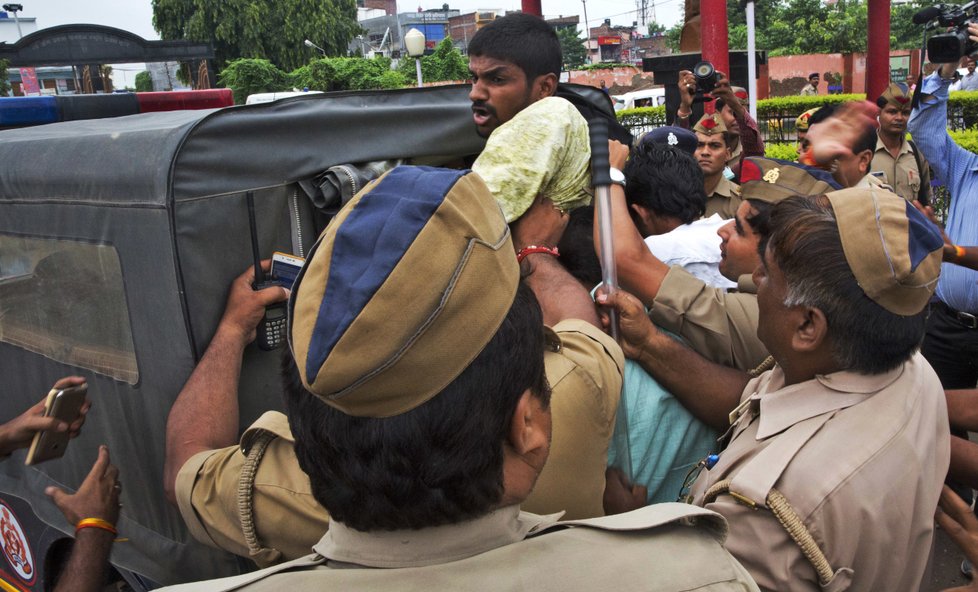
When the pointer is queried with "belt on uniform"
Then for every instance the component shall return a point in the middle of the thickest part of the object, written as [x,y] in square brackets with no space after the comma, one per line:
[965,318]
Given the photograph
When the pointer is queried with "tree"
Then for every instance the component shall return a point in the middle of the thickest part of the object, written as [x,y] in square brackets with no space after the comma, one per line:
[445,63]
[903,33]
[259,28]
[4,80]
[672,36]
[248,76]
[572,46]
[144,82]
[357,73]
[790,27]
[656,29]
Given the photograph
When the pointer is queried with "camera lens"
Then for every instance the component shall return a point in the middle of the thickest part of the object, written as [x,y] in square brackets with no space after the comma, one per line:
[703,70]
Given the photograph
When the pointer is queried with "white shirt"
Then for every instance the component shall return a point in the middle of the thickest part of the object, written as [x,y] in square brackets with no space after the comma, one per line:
[695,247]
[969,81]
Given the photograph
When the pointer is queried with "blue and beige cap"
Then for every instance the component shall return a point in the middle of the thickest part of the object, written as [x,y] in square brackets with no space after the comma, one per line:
[404,288]
[893,250]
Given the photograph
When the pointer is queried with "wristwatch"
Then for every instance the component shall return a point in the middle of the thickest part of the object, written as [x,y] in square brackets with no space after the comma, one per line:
[617,177]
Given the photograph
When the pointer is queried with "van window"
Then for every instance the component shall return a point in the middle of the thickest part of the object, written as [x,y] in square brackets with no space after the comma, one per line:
[65,300]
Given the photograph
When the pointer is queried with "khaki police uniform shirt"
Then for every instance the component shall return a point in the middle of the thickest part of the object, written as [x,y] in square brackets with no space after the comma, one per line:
[719,325]
[585,375]
[900,173]
[725,200]
[666,547]
[865,483]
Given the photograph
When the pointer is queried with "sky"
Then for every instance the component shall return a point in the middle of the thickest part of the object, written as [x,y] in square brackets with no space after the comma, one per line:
[137,15]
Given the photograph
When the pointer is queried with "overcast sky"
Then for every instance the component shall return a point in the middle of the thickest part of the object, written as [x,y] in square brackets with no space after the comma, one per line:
[137,15]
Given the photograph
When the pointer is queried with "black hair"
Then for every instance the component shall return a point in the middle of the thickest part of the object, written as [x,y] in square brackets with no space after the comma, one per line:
[576,246]
[867,140]
[522,39]
[804,241]
[760,217]
[666,180]
[441,462]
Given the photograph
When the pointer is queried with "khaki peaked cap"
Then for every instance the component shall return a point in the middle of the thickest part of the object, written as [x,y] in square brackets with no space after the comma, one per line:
[710,124]
[897,94]
[771,180]
[404,288]
[894,251]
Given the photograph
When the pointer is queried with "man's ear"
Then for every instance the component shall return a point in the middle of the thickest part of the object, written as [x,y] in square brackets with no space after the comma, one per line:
[865,158]
[544,86]
[811,329]
[643,218]
[529,431]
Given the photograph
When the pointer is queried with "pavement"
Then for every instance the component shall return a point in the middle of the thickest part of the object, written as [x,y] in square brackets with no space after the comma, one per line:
[945,565]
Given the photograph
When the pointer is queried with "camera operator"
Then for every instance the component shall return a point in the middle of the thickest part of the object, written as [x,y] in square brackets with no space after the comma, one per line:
[746,139]
[951,344]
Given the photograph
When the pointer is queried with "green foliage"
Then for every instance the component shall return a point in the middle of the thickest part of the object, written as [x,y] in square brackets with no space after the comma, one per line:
[656,29]
[606,66]
[144,82]
[967,139]
[248,76]
[365,74]
[963,104]
[258,28]
[903,33]
[572,46]
[445,63]
[641,119]
[791,27]
[4,81]
[328,74]
[795,105]
[784,151]
[673,34]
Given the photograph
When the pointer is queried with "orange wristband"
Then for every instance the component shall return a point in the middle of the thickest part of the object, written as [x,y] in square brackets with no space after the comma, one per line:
[959,253]
[95,523]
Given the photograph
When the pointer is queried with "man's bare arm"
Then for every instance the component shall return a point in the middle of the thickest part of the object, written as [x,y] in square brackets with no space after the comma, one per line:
[205,413]
[560,295]
[708,390]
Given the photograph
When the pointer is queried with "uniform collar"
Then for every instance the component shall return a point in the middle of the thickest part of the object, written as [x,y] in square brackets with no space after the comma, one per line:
[431,546]
[904,147]
[783,406]
[725,187]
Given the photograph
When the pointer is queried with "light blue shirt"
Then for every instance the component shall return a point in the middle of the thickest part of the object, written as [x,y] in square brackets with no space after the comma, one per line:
[664,441]
[956,168]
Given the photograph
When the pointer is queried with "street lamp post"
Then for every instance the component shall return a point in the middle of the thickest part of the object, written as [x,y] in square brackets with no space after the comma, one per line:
[414,44]
[311,44]
[15,8]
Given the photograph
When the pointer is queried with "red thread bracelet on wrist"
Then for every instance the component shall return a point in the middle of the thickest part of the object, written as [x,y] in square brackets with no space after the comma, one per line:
[521,255]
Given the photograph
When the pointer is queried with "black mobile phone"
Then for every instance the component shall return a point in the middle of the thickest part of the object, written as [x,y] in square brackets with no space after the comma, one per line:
[273,326]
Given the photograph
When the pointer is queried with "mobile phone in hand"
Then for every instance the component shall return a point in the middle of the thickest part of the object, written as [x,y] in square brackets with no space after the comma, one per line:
[64,404]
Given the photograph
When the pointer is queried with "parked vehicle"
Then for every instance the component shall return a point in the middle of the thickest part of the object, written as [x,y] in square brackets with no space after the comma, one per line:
[650,97]
[119,239]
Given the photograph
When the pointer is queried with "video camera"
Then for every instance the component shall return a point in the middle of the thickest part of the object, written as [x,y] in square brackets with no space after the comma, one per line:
[953,45]
[706,80]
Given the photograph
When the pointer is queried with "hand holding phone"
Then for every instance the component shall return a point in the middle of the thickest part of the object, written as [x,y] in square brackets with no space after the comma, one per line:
[19,432]
[66,406]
